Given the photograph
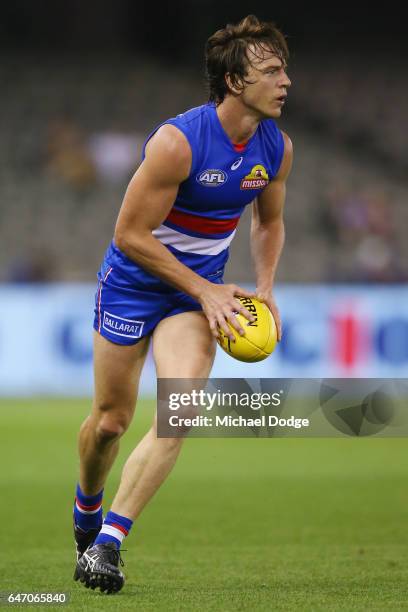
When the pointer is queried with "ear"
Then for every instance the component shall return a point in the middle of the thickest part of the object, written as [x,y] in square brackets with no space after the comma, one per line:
[235,86]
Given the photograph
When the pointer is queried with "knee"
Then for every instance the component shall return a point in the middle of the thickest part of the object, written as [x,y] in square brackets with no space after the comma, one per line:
[108,432]
[111,426]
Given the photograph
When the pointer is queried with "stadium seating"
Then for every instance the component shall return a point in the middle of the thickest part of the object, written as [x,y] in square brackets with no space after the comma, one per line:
[71,135]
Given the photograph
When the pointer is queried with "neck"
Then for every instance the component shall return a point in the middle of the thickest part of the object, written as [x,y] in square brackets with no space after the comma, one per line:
[237,120]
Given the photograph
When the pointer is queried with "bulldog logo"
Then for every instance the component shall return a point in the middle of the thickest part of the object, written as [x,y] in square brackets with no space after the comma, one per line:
[257,179]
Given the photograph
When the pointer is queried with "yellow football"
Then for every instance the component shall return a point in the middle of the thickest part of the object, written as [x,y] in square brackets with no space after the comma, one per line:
[260,335]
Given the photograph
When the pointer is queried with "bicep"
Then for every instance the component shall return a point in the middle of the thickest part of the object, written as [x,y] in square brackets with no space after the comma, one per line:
[153,188]
[147,200]
[268,206]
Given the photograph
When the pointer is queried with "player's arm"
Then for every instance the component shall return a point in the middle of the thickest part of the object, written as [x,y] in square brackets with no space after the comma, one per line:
[148,200]
[268,233]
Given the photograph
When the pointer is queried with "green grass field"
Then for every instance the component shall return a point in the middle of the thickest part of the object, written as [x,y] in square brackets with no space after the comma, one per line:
[258,524]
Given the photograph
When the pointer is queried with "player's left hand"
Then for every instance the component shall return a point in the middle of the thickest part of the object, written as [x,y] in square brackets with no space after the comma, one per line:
[267,298]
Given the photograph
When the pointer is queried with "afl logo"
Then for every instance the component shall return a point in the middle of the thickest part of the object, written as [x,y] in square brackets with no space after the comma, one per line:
[212,178]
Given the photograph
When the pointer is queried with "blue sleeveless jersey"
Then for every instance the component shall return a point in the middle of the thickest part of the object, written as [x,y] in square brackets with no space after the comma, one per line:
[222,181]
[209,203]
[198,230]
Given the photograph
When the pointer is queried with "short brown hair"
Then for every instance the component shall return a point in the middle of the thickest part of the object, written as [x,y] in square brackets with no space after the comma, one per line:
[226,52]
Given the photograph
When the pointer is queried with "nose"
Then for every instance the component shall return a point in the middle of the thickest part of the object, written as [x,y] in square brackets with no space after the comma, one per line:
[286,81]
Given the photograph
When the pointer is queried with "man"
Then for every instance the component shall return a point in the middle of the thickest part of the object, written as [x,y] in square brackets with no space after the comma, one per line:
[162,274]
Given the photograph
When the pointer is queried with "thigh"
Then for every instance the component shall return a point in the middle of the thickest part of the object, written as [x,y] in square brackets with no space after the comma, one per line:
[183,346]
[117,370]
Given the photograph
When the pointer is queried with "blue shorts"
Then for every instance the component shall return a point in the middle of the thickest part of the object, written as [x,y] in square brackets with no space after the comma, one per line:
[130,302]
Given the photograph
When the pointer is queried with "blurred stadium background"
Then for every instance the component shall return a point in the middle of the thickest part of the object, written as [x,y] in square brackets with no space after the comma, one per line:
[266,524]
[82,86]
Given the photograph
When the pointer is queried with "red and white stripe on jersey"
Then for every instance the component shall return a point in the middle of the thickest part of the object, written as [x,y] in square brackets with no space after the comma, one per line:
[216,234]
[87,509]
[202,225]
[191,244]
[114,530]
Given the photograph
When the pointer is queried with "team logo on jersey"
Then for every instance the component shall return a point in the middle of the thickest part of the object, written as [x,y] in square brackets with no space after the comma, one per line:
[122,327]
[212,178]
[237,163]
[256,179]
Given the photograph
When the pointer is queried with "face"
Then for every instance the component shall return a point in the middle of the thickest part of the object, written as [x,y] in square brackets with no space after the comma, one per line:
[268,83]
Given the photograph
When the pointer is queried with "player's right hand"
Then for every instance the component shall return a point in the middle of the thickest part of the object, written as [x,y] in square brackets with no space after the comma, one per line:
[220,305]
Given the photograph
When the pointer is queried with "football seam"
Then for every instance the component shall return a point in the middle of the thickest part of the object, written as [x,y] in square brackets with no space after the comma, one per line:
[270,329]
[258,347]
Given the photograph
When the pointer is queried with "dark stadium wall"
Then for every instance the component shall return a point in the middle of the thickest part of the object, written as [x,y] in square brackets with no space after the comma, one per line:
[177,29]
